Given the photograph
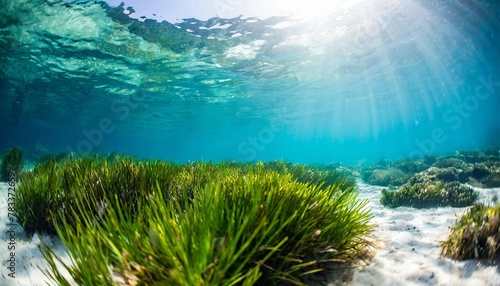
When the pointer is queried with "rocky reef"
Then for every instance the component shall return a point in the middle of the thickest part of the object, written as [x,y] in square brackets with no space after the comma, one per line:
[436,181]
[478,169]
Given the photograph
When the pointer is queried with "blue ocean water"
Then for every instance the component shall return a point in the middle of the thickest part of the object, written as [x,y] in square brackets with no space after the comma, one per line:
[371,80]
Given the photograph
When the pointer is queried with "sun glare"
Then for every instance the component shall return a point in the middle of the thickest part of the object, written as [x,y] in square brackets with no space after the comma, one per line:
[301,8]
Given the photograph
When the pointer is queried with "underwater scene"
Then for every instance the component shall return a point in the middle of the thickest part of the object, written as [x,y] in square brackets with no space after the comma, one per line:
[232,142]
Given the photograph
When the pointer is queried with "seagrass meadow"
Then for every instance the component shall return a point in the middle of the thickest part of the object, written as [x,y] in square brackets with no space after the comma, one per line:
[137,222]
[121,220]
[263,142]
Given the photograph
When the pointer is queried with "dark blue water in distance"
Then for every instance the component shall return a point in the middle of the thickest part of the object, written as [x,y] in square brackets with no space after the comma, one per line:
[377,79]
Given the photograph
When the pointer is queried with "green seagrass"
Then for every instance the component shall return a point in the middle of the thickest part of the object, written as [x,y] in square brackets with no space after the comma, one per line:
[159,223]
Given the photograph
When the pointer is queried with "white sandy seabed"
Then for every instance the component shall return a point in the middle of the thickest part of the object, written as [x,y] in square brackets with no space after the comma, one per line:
[408,253]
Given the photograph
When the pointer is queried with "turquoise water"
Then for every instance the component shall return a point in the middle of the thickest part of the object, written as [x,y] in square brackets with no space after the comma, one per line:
[370,80]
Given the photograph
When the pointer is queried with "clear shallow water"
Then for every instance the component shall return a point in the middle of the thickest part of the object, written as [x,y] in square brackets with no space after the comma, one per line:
[368,80]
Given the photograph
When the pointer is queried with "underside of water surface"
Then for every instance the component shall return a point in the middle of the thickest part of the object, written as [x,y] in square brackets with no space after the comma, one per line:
[364,81]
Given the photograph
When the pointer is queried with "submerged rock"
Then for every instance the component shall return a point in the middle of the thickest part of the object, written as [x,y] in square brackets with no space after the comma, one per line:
[451,162]
[411,166]
[482,175]
[385,177]
[434,181]
[479,169]
[431,188]
[392,174]
[435,175]
[430,194]
[473,157]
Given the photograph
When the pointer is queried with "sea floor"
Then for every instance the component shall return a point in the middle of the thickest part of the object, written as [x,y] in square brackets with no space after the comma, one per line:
[408,253]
